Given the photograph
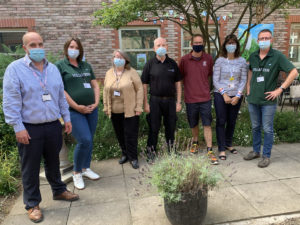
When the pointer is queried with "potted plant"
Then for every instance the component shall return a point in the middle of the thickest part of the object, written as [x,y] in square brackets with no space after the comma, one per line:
[183,182]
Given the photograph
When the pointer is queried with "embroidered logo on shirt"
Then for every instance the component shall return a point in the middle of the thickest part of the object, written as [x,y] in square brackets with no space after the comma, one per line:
[204,63]
[171,70]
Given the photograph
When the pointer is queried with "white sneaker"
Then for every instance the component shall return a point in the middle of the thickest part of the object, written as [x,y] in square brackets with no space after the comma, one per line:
[78,181]
[90,174]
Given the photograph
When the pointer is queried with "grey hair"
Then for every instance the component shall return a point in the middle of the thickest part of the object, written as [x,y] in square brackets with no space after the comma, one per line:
[125,56]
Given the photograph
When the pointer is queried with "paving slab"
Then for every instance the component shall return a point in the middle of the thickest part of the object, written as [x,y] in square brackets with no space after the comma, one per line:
[271,220]
[248,195]
[284,167]
[270,198]
[46,203]
[293,183]
[107,168]
[51,217]
[148,211]
[245,172]
[226,204]
[288,149]
[109,213]
[106,189]
[138,185]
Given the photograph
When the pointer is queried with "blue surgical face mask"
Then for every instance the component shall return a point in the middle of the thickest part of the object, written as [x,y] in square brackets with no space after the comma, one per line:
[264,44]
[73,53]
[37,54]
[198,48]
[119,62]
[230,48]
[161,51]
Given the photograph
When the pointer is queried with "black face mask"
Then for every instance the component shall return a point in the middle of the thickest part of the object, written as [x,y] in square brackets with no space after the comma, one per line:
[198,48]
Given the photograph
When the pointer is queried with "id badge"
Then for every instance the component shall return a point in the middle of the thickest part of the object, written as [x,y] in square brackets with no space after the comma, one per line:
[260,79]
[46,97]
[87,85]
[117,93]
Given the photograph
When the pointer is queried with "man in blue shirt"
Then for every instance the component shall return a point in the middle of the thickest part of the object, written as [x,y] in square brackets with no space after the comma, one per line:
[33,101]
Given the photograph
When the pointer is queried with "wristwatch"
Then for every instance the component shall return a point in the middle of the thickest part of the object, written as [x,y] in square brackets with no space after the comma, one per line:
[283,89]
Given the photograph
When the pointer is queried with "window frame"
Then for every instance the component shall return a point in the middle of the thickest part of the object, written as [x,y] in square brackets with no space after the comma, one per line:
[137,28]
[212,46]
[297,45]
[13,30]
[157,28]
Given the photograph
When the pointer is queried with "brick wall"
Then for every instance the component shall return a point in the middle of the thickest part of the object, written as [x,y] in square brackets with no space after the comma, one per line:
[57,20]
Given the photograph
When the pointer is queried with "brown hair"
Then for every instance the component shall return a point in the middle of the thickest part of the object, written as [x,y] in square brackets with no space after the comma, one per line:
[197,35]
[265,30]
[80,48]
[125,56]
[231,37]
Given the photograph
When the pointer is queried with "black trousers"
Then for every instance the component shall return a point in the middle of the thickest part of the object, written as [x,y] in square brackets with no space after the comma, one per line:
[126,130]
[166,108]
[226,118]
[46,142]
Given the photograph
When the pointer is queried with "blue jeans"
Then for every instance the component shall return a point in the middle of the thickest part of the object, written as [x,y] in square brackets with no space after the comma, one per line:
[262,116]
[83,129]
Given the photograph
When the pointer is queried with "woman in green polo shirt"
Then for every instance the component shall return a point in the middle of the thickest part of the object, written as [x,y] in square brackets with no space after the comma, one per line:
[82,94]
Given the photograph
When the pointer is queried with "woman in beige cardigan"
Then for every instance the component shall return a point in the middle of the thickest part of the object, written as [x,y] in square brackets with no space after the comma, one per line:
[123,101]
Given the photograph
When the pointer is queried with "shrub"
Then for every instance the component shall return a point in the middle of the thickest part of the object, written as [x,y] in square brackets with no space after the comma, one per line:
[174,175]
[287,126]
[9,165]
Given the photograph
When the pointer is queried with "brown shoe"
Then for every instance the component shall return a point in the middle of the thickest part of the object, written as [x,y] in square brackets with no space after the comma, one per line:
[35,214]
[66,196]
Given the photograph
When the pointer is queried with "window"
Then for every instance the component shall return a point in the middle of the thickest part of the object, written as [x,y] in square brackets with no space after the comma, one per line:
[138,43]
[186,40]
[294,49]
[11,38]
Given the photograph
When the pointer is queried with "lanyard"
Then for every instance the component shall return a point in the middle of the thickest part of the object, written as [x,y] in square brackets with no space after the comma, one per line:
[118,78]
[42,84]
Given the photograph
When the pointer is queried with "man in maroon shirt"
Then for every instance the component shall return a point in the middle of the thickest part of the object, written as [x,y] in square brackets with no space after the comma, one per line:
[196,69]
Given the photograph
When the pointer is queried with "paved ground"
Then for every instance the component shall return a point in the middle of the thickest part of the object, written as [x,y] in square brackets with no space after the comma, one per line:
[248,196]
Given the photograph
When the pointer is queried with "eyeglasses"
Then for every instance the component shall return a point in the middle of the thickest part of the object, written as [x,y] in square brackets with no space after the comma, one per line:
[264,38]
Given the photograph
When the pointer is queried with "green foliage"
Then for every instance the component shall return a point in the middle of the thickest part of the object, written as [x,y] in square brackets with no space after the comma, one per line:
[174,175]
[119,13]
[287,126]
[9,165]
[53,57]
[9,171]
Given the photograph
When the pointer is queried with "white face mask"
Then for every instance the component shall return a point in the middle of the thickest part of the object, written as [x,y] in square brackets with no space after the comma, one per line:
[73,53]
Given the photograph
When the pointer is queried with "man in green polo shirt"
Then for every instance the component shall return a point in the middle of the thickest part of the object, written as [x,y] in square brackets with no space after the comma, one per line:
[265,65]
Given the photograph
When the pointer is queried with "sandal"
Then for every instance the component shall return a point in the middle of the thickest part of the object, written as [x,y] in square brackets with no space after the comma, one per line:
[222,157]
[233,151]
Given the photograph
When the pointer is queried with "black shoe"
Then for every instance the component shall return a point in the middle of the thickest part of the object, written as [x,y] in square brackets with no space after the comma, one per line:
[123,159]
[135,164]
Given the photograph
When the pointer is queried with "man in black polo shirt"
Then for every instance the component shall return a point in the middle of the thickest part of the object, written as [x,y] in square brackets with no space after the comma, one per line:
[163,76]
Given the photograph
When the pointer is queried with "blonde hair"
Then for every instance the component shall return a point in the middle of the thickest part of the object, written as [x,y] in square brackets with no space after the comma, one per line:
[125,56]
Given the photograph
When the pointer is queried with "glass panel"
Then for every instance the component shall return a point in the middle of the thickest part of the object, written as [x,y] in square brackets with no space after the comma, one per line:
[139,59]
[186,48]
[295,34]
[138,39]
[10,39]
[187,36]
[294,53]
